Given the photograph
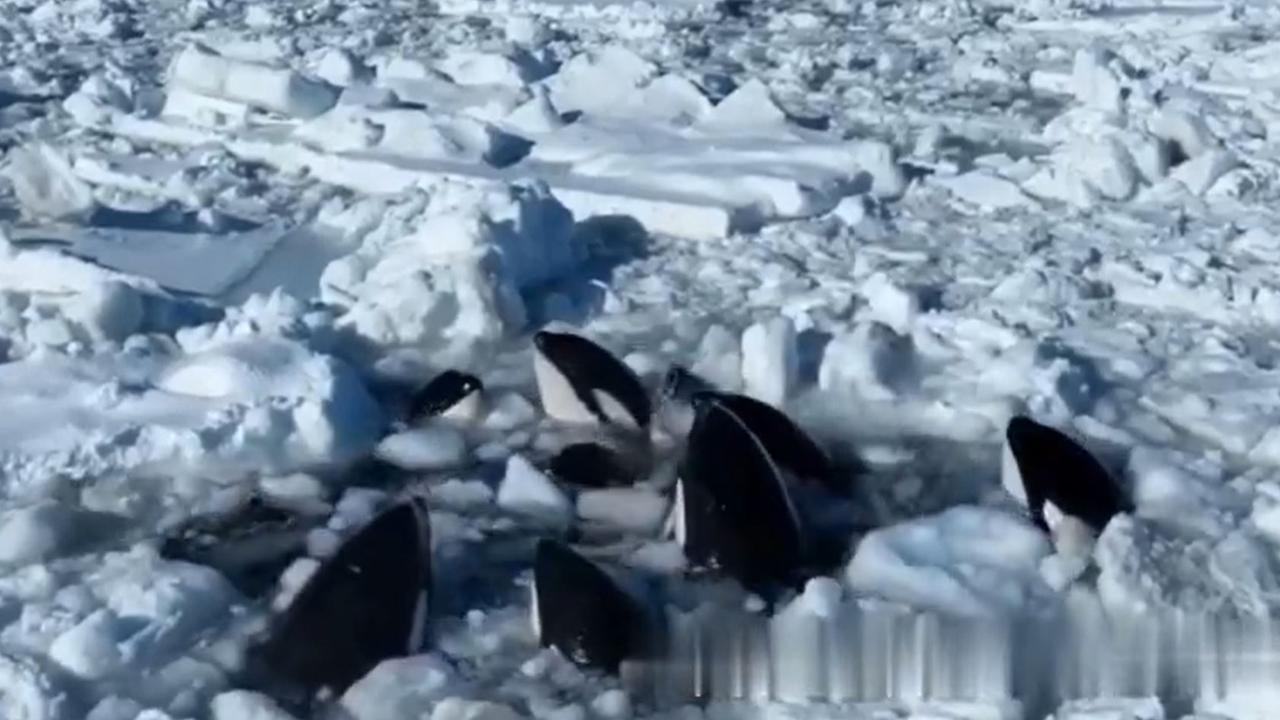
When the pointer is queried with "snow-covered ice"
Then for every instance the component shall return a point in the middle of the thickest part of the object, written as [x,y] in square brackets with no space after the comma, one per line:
[232,234]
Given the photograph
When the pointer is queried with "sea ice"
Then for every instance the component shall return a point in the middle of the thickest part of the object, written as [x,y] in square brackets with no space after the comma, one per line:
[434,447]
[770,363]
[203,71]
[528,492]
[966,560]
[46,186]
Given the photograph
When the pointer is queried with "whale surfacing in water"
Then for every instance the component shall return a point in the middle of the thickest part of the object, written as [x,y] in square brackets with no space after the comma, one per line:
[581,382]
[452,394]
[579,610]
[1044,466]
[365,604]
[793,449]
[734,513]
[795,452]
[591,465]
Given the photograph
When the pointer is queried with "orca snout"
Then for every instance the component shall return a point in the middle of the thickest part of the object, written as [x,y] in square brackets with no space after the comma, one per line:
[543,339]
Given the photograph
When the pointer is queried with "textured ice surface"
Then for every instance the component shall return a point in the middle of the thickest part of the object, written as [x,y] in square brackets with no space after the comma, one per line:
[237,224]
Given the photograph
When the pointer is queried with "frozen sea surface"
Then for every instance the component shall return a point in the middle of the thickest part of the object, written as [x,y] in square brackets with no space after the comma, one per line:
[235,232]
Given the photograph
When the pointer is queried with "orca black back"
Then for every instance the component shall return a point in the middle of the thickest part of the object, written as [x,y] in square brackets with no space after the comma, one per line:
[589,464]
[1055,468]
[250,546]
[739,516]
[793,449]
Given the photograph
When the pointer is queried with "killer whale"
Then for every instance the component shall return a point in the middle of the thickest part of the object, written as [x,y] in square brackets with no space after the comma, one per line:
[451,394]
[790,446]
[733,511]
[365,604]
[581,382]
[583,613]
[1046,466]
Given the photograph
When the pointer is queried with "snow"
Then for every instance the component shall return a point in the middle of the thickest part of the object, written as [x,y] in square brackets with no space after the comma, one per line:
[234,234]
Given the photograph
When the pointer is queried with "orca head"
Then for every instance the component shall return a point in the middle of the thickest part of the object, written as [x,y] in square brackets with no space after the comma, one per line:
[581,382]
[1043,465]
[736,514]
[793,449]
[582,612]
[451,393]
[589,464]
[367,603]
[675,399]
[680,384]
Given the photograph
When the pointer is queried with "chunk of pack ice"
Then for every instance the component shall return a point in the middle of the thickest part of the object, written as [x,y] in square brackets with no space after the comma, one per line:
[436,446]
[968,560]
[469,67]
[46,186]
[454,273]
[599,81]
[770,362]
[409,133]
[114,707]
[89,649]
[822,596]
[246,705]
[510,411]
[97,100]
[1095,83]
[718,359]
[1188,131]
[672,98]
[527,491]
[36,532]
[340,68]
[750,107]
[879,160]
[455,708]
[873,361]
[399,688]
[284,91]
[985,189]
[538,115]
[1105,164]
[612,704]
[631,509]
[111,310]
[1200,173]
[890,303]
[29,693]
